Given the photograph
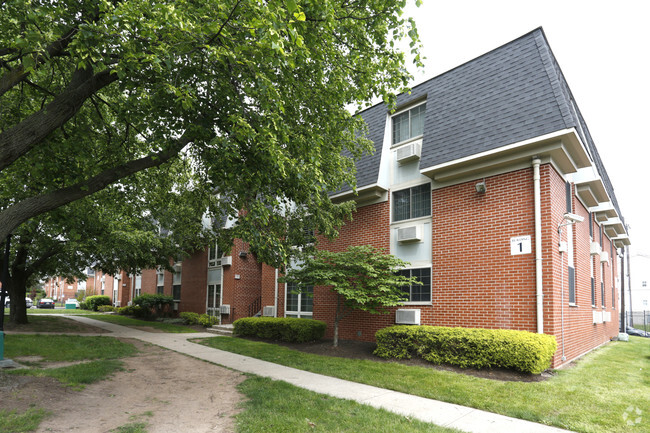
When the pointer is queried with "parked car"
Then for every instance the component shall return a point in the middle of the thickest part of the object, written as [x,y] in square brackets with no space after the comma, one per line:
[45,303]
[28,302]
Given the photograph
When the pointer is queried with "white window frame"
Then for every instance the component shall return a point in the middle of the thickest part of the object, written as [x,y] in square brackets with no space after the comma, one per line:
[411,218]
[297,313]
[402,111]
[216,260]
[430,301]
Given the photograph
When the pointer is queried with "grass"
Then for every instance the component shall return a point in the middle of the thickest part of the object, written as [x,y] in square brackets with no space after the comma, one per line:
[128,321]
[46,324]
[37,311]
[132,427]
[592,396]
[102,351]
[79,375]
[274,406]
[66,347]
[12,421]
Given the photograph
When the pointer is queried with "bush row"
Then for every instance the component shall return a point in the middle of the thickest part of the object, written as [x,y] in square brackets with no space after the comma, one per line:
[154,304]
[204,320]
[94,302]
[280,329]
[468,347]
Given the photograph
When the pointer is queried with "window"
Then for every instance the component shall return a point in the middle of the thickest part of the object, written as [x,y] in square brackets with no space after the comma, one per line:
[138,285]
[176,284]
[417,292]
[412,202]
[593,282]
[644,284]
[569,239]
[214,256]
[160,282]
[300,301]
[408,124]
[602,285]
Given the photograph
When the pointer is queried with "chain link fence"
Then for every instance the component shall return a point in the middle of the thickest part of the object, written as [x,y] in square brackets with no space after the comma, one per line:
[638,320]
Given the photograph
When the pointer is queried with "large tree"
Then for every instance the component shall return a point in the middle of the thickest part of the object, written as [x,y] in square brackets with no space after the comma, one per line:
[253,92]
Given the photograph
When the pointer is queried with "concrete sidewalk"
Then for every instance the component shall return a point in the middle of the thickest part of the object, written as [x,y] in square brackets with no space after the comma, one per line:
[432,411]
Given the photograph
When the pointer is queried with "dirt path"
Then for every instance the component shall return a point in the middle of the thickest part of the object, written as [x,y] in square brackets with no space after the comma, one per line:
[168,391]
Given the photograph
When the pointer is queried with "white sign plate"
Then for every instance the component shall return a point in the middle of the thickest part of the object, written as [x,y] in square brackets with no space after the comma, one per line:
[520,245]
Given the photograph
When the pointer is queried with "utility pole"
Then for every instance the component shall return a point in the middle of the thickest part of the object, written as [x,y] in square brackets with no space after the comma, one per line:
[3,290]
[629,283]
[622,325]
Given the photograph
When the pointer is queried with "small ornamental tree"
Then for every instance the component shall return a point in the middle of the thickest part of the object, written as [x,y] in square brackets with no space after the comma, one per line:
[362,277]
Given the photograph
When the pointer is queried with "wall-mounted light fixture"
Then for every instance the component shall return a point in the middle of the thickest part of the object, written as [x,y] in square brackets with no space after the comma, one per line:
[481,187]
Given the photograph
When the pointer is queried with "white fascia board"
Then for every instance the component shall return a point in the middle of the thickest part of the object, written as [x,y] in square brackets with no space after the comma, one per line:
[369,190]
[564,147]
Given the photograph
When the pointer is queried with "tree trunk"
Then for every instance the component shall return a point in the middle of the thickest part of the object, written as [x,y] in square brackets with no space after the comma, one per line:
[17,292]
[335,343]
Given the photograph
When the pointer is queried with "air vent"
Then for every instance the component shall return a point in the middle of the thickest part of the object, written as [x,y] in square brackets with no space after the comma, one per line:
[225,309]
[604,257]
[269,311]
[409,234]
[595,248]
[226,261]
[410,152]
[598,316]
[407,317]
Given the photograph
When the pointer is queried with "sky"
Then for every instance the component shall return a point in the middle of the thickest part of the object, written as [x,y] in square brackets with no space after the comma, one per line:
[603,50]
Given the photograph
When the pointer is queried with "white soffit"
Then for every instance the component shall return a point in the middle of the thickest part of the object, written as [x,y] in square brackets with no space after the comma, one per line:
[616,225]
[590,187]
[604,211]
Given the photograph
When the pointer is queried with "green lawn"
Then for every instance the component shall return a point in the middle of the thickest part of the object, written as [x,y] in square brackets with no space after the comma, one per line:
[592,396]
[274,406]
[40,323]
[128,321]
[102,352]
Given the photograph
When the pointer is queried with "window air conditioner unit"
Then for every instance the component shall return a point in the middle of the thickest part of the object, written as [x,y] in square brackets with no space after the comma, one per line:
[604,257]
[595,248]
[598,317]
[269,311]
[410,152]
[178,268]
[409,234]
[118,277]
[407,317]
[226,261]
[225,309]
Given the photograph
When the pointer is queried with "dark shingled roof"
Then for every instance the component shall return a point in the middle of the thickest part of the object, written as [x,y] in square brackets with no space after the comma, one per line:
[510,94]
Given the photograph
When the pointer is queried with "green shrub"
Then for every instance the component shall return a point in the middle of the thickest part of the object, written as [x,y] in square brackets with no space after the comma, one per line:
[280,328]
[106,308]
[468,347]
[130,310]
[94,302]
[189,318]
[82,305]
[206,321]
[154,304]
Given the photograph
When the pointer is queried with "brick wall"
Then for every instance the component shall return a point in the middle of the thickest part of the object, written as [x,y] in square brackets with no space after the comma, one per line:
[242,282]
[476,282]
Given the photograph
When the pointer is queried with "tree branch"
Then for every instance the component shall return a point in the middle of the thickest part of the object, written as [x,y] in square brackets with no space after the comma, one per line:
[20,139]
[30,207]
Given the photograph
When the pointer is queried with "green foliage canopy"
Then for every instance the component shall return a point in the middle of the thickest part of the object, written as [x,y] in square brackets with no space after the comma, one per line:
[251,94]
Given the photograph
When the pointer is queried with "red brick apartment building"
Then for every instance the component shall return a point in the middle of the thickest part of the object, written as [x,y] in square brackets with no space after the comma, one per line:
[487,181]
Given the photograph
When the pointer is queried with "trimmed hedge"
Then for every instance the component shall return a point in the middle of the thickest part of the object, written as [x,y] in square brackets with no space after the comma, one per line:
[189,318]
[154,304]
[130,310]
[468,347]
[280,329]
[106,308]
[204,320]
[94,302]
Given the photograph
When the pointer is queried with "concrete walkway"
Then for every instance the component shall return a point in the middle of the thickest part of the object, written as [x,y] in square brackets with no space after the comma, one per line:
[432,411]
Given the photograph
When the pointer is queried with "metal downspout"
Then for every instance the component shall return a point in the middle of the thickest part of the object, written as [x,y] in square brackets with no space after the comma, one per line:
[538,247]
[275,314]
